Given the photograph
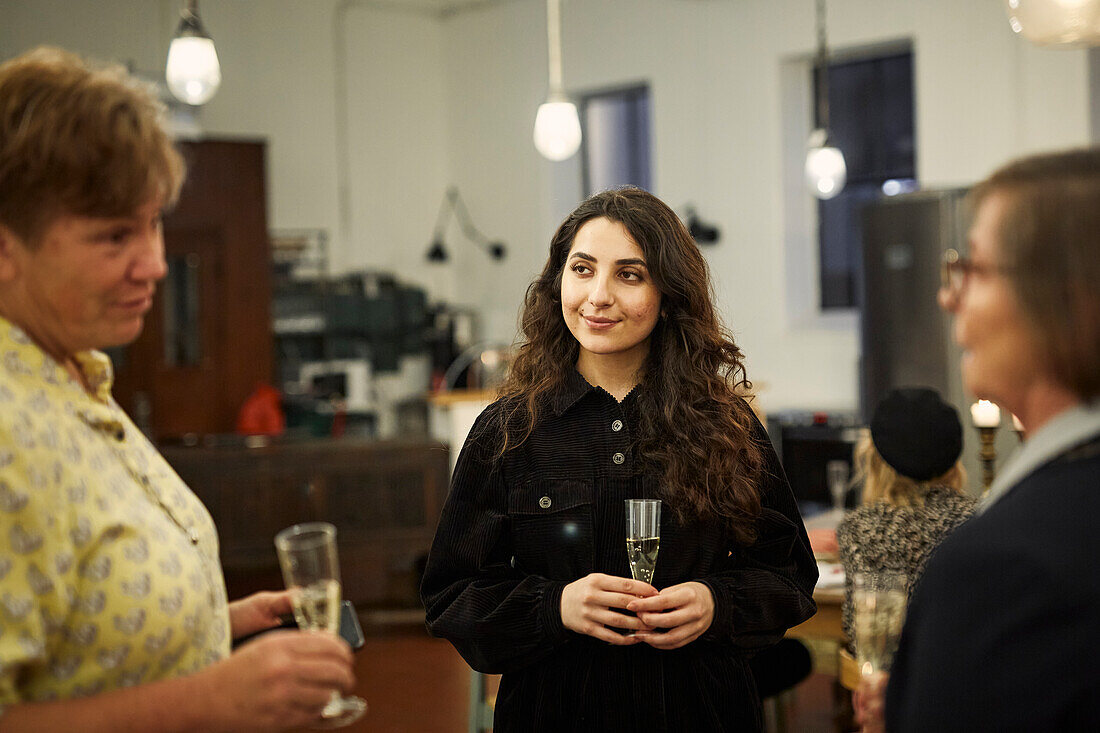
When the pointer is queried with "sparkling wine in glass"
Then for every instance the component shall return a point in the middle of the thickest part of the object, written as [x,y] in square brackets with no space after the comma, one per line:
[879,600]
[836,476]
[643,537]
[307,555]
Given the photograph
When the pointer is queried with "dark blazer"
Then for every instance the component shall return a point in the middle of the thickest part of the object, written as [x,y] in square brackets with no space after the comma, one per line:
[515,530]
[1003,630]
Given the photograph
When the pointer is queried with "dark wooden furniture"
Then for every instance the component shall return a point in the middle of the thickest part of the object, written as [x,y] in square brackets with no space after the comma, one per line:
[384,497]
[207,340]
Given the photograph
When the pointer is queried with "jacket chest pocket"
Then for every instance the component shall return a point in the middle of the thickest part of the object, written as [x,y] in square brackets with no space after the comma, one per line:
[552,529]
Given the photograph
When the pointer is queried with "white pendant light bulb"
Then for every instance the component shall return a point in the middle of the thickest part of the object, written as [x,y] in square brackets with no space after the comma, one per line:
[1056,22]
[193,72]
[557,125]
[826,171]
[557,129]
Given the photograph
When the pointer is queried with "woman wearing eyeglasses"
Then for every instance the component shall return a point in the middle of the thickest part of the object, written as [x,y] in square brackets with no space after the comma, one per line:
[1002,631]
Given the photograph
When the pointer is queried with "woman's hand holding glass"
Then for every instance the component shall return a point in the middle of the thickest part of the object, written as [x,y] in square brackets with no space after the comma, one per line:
[307,556]
[879,614]
[868,702]
[589,606]
[686,610]
[259,611]
[279,681]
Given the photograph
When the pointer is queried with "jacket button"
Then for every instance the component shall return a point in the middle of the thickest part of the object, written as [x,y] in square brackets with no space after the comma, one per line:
[545,502]
[618,458]
[617,425]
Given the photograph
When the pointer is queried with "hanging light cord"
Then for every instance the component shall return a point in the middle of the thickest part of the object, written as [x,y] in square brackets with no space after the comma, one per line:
[190,24]
[821,65]
[553,43]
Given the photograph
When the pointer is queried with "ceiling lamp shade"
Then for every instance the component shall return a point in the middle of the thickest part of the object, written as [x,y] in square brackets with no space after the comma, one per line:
[193,72]
[826,172]
[1056,22]
[557,126]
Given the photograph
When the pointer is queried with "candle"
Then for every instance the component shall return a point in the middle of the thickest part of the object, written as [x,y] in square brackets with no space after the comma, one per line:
[985,414]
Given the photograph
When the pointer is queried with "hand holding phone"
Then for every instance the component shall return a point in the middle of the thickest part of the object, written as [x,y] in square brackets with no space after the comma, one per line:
[350,630]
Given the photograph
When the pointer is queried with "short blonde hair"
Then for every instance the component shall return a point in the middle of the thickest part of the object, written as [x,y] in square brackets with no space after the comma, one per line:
[881,483]
[77,138]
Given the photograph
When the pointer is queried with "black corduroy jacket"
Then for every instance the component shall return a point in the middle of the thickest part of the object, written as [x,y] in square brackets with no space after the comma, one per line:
[517,529]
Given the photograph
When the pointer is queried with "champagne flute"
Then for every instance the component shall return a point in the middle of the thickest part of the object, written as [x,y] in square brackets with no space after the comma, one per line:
[307,555]
[879,600]
[643,537]
[836,476]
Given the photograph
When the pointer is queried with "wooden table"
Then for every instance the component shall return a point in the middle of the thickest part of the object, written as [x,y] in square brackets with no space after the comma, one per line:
[826,623]
[823,634]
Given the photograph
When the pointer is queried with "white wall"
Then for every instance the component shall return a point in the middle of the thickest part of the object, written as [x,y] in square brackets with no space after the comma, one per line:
[433,101]
[714,67]
[279,83]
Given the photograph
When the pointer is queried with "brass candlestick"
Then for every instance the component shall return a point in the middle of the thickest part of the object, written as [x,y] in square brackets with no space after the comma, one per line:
[987,455]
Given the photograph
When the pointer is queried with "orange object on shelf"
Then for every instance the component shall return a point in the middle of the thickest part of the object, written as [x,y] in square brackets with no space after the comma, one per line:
[262,413]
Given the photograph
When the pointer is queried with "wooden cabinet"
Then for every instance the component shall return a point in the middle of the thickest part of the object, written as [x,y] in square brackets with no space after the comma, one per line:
[207,340]
[384,497]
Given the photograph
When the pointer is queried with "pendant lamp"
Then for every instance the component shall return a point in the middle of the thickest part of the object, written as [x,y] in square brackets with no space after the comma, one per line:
[825,169]
[557,127]
[193,72]
[1056,22]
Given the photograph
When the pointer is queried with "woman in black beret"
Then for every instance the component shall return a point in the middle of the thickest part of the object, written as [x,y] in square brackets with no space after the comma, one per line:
[913,485]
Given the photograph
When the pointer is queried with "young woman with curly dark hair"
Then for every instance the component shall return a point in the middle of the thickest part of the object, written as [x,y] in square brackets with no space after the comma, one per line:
[625,387]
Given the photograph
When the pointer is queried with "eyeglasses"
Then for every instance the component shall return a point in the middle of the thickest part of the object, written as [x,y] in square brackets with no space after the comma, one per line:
[956,270]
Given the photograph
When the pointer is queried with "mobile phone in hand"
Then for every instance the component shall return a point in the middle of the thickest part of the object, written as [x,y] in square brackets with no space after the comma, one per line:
[350,630]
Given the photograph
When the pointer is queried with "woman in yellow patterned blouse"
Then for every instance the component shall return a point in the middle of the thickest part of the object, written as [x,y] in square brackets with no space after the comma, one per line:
[113,615]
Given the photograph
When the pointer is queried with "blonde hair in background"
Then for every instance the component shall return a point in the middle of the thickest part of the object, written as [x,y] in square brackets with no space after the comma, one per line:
[883,483]
[78,138]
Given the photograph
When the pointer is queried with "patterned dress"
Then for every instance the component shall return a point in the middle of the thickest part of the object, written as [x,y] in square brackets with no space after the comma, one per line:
[109,573]
[882,536]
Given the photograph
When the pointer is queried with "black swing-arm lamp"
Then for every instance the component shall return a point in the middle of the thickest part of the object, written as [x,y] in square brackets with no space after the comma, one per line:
[452,202]
[701,231]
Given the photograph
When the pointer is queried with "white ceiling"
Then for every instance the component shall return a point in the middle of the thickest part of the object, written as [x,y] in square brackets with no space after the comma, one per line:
[440,7]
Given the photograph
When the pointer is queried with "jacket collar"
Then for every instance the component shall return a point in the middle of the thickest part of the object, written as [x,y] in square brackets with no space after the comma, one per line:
[576,386]
[570,392]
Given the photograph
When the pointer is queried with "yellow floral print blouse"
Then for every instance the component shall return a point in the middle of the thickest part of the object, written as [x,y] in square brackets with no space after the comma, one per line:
[109,573]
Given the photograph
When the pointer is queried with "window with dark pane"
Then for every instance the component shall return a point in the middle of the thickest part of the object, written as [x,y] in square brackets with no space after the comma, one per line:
[871,121]
[615,140]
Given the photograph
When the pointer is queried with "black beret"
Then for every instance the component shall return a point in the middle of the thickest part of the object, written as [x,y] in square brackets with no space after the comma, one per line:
[917,433]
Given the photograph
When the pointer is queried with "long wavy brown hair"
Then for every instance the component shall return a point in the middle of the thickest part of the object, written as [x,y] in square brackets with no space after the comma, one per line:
[695,430]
